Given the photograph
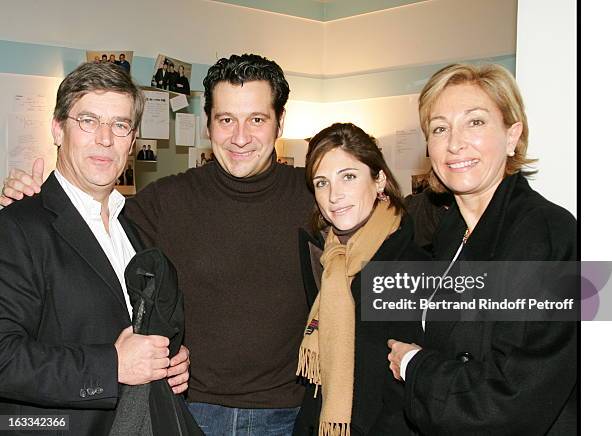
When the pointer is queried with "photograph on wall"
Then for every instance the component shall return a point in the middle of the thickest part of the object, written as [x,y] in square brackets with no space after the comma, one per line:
[420,182]
[126,183]
[291,151]
[145,150]
[286,160]
[171,74]
[123,58]
[199,157]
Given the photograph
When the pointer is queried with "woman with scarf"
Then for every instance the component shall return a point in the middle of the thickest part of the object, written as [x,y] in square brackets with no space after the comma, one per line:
[358,202]
[502,378]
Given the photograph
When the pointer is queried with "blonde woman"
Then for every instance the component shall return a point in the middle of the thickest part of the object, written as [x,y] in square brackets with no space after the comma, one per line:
[489,377]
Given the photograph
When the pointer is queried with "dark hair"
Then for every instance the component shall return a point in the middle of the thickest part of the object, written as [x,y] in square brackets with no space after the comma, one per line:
[91,77]
[247,68]
[353,140]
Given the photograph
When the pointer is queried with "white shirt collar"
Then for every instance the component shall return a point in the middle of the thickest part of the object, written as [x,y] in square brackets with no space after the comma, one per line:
[86,204]
[112,239]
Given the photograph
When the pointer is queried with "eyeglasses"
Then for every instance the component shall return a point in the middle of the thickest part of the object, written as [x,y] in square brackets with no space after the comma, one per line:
[90,124]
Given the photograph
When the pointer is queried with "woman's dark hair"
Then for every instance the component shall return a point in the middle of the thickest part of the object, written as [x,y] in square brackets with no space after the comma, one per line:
[354,141]
[247,68]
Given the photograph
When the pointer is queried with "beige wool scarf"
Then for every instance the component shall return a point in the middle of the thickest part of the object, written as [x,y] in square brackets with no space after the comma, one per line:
[327,353]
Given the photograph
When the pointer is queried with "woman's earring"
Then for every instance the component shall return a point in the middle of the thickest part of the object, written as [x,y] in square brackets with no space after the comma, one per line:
[381,196]
[511,154]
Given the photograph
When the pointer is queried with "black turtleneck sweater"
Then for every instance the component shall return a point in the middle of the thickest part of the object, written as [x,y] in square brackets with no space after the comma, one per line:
[234,243]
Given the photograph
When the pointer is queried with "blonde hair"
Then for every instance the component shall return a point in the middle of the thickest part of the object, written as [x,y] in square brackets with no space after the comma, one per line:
[501,87]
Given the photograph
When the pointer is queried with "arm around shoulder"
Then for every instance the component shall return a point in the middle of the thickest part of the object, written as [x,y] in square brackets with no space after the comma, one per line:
[144,211]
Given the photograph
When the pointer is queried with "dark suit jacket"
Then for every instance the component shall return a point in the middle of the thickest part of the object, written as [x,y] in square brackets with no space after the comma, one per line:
[182,85]
[499,378]
[61,310]
[377,396]
[172,77]
[161,78]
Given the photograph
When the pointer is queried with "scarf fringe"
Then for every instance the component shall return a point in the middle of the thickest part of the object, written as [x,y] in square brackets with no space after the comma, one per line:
[334,429]
[308,366]
[328,346]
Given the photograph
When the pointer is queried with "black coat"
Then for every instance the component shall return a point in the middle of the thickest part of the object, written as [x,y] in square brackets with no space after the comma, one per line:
[426,209]
[182,85]
[152,408]
[61,310]
[161,78]
[377,396]
[519,377]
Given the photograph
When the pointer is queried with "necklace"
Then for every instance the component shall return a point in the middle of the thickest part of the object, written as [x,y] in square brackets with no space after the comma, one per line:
[466,235]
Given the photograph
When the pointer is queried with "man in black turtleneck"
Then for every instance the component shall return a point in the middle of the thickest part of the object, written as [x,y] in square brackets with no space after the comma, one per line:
[231,230]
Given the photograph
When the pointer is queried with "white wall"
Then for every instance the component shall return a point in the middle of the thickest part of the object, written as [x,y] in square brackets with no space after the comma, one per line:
[595,147]
[546,65]
[198,31]
[430,32]
[596,239]
[433,31]
[381,117]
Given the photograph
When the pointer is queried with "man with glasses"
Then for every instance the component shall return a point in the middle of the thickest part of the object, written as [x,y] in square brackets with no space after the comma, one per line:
[66,344]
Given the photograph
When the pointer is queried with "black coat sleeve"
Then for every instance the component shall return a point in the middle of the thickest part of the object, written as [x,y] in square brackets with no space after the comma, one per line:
[518,386]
